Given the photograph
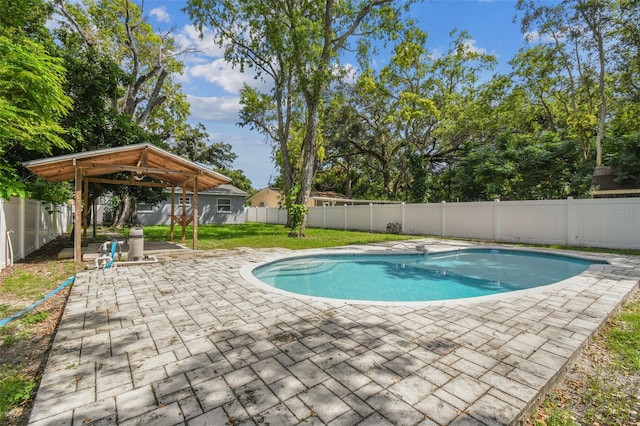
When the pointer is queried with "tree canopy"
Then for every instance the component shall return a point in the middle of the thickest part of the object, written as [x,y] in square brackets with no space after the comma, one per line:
[32,90]
[101,77]
[425,126]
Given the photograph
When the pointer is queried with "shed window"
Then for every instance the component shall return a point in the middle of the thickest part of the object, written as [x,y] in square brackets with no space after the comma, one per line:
[187,201]
[145,207]
[224,205]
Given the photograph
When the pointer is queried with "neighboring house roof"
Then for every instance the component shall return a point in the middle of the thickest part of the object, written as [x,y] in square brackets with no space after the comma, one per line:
[224,189]
[327,195]
[330,196]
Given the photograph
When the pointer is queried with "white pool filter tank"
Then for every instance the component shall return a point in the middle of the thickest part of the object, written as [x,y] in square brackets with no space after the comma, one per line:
[136,243]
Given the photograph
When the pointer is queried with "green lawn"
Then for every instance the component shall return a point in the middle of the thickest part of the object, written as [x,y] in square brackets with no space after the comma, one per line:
[260,235]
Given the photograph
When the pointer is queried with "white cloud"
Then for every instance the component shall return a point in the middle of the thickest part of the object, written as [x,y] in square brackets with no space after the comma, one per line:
[536,37]
[188,38]
[226,76]
[160,13]
[218,109]
[470,45]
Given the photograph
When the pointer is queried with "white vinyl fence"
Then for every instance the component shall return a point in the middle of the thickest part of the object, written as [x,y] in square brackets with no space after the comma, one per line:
[604,222]
[26,225]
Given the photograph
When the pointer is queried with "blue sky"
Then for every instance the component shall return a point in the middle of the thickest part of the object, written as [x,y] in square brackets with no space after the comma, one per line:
[212,86]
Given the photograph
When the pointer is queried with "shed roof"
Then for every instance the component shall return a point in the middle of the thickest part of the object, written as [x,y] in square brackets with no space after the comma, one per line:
[139,159]
[226,189]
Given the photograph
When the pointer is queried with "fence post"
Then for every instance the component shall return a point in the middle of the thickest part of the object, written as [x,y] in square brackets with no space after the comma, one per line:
[403,219]
[22,226]
[443,219]
[38,213]
[370,217]
[496,220]
[345,216]
[571,222]
[324,216]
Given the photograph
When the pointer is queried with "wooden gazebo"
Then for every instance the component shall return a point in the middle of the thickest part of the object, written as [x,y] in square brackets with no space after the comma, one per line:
[163,168]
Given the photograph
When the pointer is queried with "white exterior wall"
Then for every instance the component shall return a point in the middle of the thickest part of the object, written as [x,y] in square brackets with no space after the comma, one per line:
[207,210]
[606,222]
[29,224]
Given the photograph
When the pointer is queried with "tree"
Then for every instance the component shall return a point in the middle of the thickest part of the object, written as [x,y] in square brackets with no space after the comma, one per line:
[413,116]
[121,78]
[626,16]
[32,96]
[294,45]
[118,30]
[579,34]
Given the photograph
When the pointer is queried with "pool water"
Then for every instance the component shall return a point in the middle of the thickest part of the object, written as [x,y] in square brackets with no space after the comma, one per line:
[418,277]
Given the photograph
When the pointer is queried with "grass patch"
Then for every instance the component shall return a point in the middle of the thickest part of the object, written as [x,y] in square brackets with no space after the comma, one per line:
[264,235]
[7,310]
[607,402]
[16,336]
[14,390]
[261,235]
[624,338]
[8,329]
[36,318]
[33,283]
[553,415]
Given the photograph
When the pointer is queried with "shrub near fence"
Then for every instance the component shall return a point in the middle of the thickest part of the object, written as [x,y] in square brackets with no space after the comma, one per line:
[605,222]
[26,225]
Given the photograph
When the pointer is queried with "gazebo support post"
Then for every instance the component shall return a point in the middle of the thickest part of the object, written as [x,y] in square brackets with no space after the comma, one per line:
[77,218]
[183,222]
[195,213]
[173,212]
[85,209]
[94,216]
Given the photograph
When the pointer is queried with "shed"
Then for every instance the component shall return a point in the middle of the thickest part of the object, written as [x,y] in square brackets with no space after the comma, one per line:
[223,204]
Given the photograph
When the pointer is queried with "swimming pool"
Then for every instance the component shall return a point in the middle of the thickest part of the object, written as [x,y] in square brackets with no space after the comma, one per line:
[411,277]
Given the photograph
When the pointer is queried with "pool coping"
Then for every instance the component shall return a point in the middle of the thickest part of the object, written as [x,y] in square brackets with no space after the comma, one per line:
[246,273]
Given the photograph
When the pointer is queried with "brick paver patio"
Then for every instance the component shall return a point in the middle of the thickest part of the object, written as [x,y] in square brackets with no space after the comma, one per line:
[191,342]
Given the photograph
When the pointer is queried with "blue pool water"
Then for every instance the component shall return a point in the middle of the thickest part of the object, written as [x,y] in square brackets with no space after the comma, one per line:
[418,277]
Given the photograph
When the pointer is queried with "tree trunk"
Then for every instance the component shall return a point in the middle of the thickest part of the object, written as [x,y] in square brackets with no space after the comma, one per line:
[349,183]
[126,213]
[309,149]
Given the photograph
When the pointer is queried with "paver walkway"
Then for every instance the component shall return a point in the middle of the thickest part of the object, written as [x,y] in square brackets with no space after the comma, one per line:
[191,342]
